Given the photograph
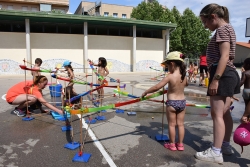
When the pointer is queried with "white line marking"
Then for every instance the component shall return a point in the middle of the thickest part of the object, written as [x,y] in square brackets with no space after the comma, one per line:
[98,144]
[4,97]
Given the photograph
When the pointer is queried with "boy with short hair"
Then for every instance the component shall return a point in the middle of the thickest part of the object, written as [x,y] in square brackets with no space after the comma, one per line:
[38,63]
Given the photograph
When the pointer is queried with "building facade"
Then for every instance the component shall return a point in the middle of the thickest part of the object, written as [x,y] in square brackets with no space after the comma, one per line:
[127,44]
[242,52]
[35,6]
[102,9]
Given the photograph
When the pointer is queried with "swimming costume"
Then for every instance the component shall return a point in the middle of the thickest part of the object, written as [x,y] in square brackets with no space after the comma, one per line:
[246,94]
[178,105]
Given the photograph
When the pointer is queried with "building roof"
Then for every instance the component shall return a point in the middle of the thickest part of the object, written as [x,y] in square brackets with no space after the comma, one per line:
[52,2]
[80,19]
[245,44]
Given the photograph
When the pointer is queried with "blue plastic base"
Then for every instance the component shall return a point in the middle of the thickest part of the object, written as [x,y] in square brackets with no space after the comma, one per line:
[93,121]
[119,111]
[57,116]
[83,158]
[96,104]
[161,137]
[131,113]
[100,118]
[62,119]
[28,118]
[103,111]
[72,145]
[66,128]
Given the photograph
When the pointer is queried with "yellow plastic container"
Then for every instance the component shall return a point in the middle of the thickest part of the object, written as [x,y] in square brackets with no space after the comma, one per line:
[206,82]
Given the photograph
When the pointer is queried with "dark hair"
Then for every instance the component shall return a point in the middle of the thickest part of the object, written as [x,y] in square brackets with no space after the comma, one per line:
[181,66]
[195,64]
[39,79]
[38,61]
[213,8]
[69,66]
[204,52]
[246,65]
[103,62]
[69,94]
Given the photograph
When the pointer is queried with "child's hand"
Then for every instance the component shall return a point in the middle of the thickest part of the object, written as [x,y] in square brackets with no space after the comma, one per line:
[245,119]
[91,63]
[242,69]
[143,94]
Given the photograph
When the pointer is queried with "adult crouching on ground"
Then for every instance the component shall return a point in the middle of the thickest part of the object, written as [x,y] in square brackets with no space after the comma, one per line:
[23,94]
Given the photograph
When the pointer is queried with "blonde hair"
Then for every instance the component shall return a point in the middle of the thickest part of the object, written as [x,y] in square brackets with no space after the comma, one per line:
[213,8]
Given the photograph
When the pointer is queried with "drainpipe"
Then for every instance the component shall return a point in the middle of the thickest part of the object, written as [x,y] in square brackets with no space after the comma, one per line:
[167,35]
[166,43]
[85,47]
[28,55]
[133,59]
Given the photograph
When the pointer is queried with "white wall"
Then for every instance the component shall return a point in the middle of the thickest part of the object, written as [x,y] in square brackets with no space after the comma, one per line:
[51,47]
[13,46]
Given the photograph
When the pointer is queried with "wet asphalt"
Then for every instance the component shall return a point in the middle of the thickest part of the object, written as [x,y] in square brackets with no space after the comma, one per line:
[120,140]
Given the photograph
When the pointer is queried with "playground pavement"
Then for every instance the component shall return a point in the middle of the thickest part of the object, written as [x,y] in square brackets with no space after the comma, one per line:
[120,140]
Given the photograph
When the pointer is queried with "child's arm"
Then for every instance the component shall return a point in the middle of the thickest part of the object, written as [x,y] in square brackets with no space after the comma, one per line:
[106,71]
[71,74]
[92,63]
[243,78]
[245,117]
[158,86]
[235,98]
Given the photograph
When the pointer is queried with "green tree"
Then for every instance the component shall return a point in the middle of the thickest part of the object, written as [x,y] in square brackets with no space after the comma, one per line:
[148,11]
[175,36]
[189,37]
[194,37]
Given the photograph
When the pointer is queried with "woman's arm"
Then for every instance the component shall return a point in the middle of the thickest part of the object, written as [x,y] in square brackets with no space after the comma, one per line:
[158,86]
[224,51]
[44,102]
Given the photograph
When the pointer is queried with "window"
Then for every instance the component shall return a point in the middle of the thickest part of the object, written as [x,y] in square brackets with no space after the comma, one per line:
[45,7]
[76,29]
[148,33]
[106,14]
[0,6]
[124,16]
[5,26]
[36,27]
[115,14]
[18,27]
[10,7]
[50,28]
[24,8]
[34,9]
[63,28]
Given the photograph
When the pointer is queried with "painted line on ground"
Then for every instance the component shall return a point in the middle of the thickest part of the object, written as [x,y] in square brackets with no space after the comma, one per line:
[98,144]
[4,97]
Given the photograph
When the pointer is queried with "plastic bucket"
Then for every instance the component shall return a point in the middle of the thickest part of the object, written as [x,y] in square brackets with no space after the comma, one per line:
[206,82]
[55,90]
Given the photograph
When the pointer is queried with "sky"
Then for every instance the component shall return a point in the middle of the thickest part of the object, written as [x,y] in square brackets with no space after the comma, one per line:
[238,10]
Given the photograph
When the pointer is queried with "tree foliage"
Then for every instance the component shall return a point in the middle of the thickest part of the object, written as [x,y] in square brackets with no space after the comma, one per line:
[189,37]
